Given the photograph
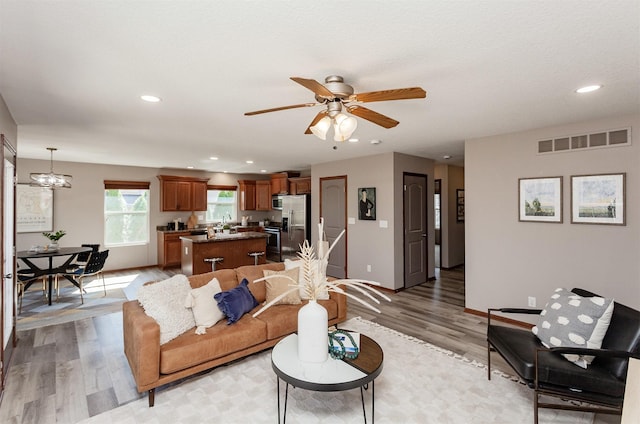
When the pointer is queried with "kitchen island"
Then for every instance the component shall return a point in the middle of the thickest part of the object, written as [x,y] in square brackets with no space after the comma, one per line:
[234,248]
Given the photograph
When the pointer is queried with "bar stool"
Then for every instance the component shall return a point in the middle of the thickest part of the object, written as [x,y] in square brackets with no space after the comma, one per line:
[214,261]
[256,255]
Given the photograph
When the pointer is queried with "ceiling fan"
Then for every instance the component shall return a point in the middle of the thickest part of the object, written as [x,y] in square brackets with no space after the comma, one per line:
[335,94]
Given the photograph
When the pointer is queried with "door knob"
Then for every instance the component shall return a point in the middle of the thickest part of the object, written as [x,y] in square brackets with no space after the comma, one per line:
[424,235]
[8,275]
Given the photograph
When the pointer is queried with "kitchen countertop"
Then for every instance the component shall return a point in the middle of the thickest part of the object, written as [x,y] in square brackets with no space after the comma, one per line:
[225,237]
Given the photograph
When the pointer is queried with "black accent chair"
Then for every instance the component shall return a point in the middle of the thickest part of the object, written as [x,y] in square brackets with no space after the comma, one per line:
[599,388]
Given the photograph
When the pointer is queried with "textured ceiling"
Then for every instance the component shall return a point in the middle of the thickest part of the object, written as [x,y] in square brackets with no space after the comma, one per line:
[71,73]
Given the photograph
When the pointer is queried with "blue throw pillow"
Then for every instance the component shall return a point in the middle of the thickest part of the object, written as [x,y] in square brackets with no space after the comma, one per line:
[236,302]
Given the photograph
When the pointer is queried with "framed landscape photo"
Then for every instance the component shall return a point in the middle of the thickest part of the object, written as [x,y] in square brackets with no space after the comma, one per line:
[598,199]
[540,199]
[367,203]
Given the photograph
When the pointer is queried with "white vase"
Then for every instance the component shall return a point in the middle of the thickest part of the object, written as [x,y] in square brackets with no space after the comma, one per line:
[313,338]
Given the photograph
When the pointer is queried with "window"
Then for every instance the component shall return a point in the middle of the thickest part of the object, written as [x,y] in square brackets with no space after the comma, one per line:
[221,204]
[126,213]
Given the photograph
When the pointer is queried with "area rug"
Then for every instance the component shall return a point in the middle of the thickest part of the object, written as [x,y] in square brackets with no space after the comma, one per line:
[420,383]
[36,311]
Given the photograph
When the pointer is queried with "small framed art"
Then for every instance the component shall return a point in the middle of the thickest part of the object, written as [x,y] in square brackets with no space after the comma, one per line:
[367,203]
[460,205]
[540,199]
[598,199]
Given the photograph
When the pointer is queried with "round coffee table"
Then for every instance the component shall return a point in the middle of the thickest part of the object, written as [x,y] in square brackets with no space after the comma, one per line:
[329,376]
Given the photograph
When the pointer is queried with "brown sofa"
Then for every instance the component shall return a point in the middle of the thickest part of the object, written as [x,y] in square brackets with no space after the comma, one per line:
[154,365]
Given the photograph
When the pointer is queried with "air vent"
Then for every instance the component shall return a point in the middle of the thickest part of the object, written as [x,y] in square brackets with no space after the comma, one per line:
[598,140]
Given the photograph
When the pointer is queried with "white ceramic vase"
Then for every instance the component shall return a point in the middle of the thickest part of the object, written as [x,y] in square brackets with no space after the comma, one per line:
[313,338]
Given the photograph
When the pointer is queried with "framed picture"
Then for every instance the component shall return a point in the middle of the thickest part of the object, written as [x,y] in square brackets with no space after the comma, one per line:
[367,204]
[34,209]
[460,205]
[540,199]
[598,199]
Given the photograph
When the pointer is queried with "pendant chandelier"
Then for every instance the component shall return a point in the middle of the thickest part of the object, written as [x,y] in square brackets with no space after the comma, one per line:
[51,179]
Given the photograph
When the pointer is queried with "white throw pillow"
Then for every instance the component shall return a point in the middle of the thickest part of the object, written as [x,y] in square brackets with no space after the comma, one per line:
[291,264]
[164,302]
[570,320]
[204,307]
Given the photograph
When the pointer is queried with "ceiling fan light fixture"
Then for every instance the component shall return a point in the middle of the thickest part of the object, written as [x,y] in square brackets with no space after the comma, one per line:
[321,128]
[50,179]
[344,127]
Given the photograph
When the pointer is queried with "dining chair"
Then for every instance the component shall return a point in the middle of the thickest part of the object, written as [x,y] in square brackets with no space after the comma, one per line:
[24,277]
[83,257]
[93,267]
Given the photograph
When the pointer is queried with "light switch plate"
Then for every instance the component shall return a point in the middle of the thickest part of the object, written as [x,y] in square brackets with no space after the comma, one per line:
[351,220]
[383,223]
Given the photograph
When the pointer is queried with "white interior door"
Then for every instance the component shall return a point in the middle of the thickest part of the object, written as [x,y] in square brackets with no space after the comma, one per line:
[7,252]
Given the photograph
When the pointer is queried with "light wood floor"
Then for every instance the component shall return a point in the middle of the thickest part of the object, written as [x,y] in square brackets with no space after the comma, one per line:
[70,371]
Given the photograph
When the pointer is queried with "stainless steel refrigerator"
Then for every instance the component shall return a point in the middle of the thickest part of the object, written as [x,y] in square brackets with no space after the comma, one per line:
[296,224]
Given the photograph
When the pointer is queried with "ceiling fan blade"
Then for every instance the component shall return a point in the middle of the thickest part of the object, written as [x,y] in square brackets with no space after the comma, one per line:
[375,117]
[315,86]
[318,117]
[396,94]
[275,109]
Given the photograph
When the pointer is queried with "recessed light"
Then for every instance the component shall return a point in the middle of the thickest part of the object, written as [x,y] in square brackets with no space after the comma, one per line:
[376,141]
[353,140]
[263,170]
[189,167]
[249,162]
[588,89]
[446,157]
[149,98]
[213,158]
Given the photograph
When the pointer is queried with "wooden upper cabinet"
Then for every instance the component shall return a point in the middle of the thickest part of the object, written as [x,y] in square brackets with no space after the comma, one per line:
[279,183]
[183,193]
[247,195]
[300,185]
[263,195]
[199,195]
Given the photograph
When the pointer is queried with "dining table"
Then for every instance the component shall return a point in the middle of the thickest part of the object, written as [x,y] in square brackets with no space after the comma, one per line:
[28,256]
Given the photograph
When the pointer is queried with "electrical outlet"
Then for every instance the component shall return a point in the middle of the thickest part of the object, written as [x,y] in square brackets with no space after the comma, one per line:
[532,302]
[368,268]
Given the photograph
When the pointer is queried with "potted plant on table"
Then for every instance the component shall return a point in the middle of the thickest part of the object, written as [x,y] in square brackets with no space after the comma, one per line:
[54,237]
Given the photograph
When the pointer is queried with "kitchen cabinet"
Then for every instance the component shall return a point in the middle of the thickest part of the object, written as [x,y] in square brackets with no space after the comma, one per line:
[279,183]
[247,196]
[199,193]
[300,185]
[263,195]
[182,193]
[169,248]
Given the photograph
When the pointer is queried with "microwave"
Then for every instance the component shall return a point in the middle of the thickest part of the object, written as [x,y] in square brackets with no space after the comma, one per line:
[276,202]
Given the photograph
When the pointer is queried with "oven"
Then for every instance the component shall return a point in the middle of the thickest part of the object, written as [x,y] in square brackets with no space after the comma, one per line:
[274,245]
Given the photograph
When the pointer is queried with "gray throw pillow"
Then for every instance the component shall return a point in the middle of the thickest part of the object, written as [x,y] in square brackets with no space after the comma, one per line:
[569,320]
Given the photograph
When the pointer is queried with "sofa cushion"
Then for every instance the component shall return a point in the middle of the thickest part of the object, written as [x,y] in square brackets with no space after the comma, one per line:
[226,278]
[254,272]
[203,305]
[189,349]
[164,302]
[570,320]
[236,302]
[278,284]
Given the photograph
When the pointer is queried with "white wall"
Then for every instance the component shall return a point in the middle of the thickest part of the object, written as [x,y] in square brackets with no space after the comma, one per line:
[507,260]
[8,126]
[80,210]
[368,244]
